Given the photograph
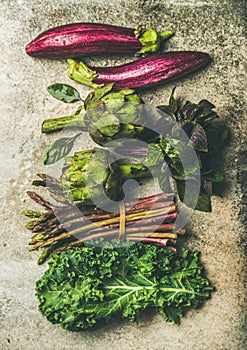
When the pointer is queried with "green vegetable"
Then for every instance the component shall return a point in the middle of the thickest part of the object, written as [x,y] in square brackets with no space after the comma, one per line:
[91,285]
[115,115]
[109,115]
[87,174]
[207,136]
[72,121]
[59,149]
[64,92]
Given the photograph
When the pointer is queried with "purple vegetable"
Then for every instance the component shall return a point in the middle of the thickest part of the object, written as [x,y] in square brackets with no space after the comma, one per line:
[141,73]
[198,139]
[87,39]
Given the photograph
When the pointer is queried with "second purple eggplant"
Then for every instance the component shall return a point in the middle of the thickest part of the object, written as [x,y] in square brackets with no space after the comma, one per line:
[142,73]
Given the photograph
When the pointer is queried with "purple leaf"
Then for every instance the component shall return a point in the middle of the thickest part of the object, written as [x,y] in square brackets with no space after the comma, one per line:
[198,139]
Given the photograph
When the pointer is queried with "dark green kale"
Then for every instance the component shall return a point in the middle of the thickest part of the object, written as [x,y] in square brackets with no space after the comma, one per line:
[86,286]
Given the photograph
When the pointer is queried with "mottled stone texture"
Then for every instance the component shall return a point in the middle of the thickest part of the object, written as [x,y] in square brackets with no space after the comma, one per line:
[216,27]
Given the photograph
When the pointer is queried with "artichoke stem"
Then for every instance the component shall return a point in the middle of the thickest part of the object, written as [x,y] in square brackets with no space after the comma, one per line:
[56,124]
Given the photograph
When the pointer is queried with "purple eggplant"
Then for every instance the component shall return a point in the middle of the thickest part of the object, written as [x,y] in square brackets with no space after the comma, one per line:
[89,39]
[144,72]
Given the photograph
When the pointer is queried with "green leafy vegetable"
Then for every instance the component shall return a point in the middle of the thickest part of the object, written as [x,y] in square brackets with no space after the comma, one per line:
[59,149]
[198,139]
[87,286]
[213,176]
[64,93]
[207,136]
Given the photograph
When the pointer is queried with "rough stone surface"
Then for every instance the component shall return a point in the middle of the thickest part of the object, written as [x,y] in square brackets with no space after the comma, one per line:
[216,27]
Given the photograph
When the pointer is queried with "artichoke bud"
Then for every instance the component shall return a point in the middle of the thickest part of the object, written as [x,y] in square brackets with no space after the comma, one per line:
[112,115]
[88,179]
[79,195]
[76,177]
[100,177]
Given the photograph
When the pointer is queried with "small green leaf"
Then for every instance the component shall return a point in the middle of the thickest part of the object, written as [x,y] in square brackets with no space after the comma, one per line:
[173,103]
[224,133]
[64,93]
[213,176]
[59,149]
[204,203]
[154,156]
[206,105]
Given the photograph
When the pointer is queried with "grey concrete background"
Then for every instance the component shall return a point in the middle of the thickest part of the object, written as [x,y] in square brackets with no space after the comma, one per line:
[216,27]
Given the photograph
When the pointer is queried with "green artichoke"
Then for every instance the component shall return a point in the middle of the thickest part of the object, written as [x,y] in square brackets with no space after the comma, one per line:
[108,115]
[115,115]
[89,175]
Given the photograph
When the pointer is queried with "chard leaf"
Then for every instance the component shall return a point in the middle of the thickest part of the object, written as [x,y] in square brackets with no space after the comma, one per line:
[164,109]
[217,136]
[192,194]
[164,178]
[206,106]
[154,155]
[213,176]
[198,139]
[188,127]
[59,149]
[189,110]
[224,133]
[204,203]
[201,202]
[173,103]
[64,93]
[180,156]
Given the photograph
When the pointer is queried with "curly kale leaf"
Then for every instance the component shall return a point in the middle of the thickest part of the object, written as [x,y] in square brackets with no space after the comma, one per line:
[86,286]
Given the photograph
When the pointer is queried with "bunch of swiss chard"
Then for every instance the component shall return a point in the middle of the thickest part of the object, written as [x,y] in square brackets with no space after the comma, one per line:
[207,135]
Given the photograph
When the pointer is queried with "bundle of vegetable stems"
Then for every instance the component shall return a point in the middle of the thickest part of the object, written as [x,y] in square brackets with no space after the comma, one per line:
[61,227]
